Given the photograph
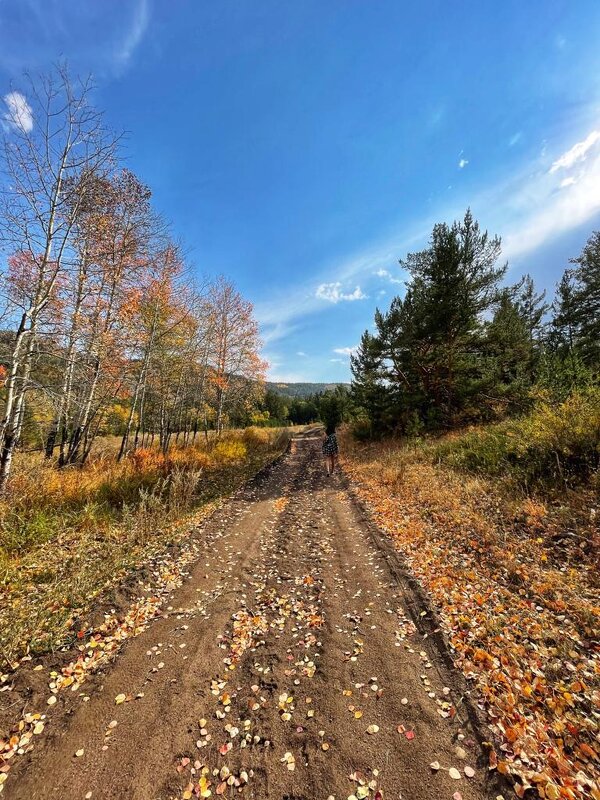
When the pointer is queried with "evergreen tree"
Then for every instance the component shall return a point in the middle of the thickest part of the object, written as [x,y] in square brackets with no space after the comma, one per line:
[585,310]
[532,308]
[454,281]
[368,391]
[276,404]
[508,347]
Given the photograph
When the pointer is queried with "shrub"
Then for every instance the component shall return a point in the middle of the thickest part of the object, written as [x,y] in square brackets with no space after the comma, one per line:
[228,450]
[556,444]
[256,438]
[362,429]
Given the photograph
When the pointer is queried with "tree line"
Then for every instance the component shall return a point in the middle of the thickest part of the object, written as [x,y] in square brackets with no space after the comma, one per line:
[461,346]
[102,326]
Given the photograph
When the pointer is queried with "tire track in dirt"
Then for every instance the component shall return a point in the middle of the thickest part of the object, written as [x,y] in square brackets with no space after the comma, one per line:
[289,640]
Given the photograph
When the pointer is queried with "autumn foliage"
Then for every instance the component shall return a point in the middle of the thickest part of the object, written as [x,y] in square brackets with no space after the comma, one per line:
[515,581]
[69,534]
[105,329]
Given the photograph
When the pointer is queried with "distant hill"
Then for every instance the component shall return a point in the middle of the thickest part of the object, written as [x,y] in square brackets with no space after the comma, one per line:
[301,389]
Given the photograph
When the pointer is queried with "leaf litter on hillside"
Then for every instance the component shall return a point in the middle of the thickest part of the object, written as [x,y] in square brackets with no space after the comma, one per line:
[523,630]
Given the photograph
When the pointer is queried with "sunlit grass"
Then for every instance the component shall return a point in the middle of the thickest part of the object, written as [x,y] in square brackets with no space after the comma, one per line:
[65,535]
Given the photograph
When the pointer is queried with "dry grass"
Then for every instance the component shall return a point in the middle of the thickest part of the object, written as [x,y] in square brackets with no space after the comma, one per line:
[515,579]
[67,535]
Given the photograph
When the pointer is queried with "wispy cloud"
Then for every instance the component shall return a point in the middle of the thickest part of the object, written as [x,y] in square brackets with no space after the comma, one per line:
[384,273]
[281,314]
[577,153]
[18,112]
[334,294]
[463,163]
[345,351]
[528,209]
[33,33]
[134,35]
[546,208]
[515,138]
[301,354]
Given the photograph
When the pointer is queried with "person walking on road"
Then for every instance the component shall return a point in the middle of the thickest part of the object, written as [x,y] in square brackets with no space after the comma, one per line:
[330,449]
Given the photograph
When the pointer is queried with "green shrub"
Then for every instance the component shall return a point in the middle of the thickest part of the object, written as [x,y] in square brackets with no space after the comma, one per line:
[557,444]
[362,429]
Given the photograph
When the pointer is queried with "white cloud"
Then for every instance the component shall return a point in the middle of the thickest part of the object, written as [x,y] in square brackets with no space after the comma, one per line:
[337,360]
[384,273]
[288,377]
[18,112]
[528,209]
[333,293]
[301,354]
[345,351]
[550,213]
[277,315]
[577,153]
[134,35]
[463,163]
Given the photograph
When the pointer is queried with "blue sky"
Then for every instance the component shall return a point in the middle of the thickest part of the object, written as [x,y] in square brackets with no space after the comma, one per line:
[302,148]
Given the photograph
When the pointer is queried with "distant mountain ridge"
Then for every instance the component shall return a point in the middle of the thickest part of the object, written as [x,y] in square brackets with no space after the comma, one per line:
[301,389]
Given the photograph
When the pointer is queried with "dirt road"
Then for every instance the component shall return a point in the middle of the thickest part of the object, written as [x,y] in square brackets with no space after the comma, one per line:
[287,663]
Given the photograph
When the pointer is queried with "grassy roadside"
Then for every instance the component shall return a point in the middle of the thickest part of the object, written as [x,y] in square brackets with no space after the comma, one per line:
[515,578]
[67,536]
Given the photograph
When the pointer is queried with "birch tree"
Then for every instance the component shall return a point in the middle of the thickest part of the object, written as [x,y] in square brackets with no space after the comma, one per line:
[55,141]
[234,357]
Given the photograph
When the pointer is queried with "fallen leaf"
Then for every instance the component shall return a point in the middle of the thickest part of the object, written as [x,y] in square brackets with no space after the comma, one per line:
[372,729]
[454,773]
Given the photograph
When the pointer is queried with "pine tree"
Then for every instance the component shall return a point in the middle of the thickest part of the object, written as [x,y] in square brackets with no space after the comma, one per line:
[532,309]
[454,281]
[508,348]
[368,390]
[586,300]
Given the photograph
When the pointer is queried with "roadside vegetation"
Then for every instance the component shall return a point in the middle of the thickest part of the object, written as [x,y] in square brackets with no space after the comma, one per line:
[68,535]
[122,377]
[553,449]
[474,438]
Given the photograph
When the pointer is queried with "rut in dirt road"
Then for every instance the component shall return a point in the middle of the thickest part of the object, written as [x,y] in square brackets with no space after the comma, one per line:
[286,667]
